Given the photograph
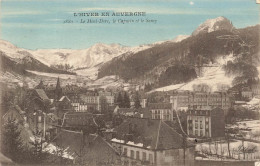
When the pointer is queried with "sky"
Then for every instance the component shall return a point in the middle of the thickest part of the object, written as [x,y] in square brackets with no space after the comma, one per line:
[39,24]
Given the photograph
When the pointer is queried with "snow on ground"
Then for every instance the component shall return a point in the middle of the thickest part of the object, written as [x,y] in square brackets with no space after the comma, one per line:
[222,149]
[250,128]
[177,39]
[91,73]
[55,75]
[109,82]
[253,104]
[52,149]
[213,76]
[133,144]
[117,140]
[209,25]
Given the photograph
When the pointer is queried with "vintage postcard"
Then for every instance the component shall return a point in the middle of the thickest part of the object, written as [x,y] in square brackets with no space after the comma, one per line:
[130,82]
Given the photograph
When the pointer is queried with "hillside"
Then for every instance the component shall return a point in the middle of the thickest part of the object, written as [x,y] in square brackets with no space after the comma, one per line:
[174,63]
[23,62]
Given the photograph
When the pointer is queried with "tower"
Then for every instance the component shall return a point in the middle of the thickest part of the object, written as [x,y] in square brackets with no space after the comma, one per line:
[58,90]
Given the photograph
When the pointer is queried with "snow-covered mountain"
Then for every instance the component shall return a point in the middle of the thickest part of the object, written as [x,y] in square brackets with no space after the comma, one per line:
[85,58]
[90,57]
[171,62]
[85,62]
[177,39]
[215,24]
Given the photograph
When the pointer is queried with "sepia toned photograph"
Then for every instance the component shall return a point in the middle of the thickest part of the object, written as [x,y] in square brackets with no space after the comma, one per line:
[129,83]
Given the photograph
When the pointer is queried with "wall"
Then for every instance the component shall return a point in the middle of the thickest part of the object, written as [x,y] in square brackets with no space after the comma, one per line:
[120,148]
[174,157]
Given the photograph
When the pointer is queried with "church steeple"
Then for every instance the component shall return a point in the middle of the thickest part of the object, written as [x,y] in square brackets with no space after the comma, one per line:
[58,84]
[58,90]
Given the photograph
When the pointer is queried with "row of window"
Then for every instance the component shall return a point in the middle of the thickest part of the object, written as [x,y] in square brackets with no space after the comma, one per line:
[136,155]
[163,117]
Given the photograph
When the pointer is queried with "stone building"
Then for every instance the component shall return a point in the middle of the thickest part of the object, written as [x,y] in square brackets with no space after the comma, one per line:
[205,121]
[152,142]
[86,149]
[182,99]
[162,111]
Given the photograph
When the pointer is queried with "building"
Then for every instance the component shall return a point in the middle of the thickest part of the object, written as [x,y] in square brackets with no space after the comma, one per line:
[256,88]
[41,122]
[63,106]
[205,121]
[124,111]
[162,111]
[110,98]
[144,103]
[85,121]
[98,100]
[183,99]
[247,93]
[86,149]
[15,113]
[78,105]
[152,142]
[75,119]
[37,101]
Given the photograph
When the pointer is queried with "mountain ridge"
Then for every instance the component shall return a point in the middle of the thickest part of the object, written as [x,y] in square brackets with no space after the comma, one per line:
[161,63]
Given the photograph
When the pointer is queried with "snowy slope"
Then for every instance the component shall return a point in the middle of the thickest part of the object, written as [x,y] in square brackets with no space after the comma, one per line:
[84,58]
[16,80]
[213,76]
[177,39]
[98,53]
[211,25]
[85,62]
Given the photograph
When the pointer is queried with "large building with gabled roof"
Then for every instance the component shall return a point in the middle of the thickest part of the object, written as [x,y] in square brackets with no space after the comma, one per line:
[149,141]
[86,149]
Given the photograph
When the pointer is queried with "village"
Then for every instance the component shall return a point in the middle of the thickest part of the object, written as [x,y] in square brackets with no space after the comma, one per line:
[88,126]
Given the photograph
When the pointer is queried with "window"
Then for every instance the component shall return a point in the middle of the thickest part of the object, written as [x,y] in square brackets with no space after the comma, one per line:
[196,125]
[137,155]
[150,158]
[125,152]
[132,154]
[196,132]
[201,133]
[144,156]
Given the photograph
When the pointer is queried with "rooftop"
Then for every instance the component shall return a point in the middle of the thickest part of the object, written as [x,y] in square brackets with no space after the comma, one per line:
[160,105]
[152,134]
[41,93]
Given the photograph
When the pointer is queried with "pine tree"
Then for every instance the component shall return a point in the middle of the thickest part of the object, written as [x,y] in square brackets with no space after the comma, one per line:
[126,101]
[11,142]
[137,101]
